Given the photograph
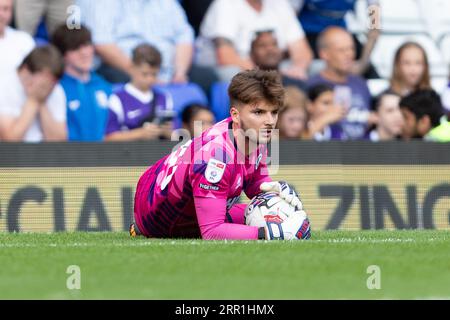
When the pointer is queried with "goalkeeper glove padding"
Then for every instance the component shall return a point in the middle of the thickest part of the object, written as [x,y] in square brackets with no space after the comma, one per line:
[284,191]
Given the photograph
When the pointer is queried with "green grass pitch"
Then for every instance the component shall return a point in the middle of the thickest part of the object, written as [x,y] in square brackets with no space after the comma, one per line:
[332,265]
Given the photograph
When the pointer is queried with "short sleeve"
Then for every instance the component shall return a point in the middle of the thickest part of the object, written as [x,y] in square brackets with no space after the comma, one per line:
[7,107]
[292,29]
[56,103]
[115,115]
[220,21]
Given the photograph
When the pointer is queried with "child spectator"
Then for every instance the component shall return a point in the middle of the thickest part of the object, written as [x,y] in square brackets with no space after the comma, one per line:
[136,110]
[325,113]
[389,118]
[411,69]
[292,118]
[32,106]
[197,119]
[86,93]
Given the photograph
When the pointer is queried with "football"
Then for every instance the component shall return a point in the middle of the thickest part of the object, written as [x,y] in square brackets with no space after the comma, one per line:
[266,207]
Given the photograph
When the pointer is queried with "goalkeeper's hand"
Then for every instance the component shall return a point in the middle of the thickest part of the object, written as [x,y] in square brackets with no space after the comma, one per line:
[297,226]
[284,191]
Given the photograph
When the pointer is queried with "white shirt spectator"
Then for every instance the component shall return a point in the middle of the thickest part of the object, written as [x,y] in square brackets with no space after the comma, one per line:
[238,22]
[15,45]
[14,97]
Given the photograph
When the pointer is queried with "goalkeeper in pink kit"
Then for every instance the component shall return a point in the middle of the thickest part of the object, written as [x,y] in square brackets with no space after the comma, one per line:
[192,192]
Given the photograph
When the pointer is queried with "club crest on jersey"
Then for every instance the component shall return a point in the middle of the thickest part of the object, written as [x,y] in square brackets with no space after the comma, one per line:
[214,170]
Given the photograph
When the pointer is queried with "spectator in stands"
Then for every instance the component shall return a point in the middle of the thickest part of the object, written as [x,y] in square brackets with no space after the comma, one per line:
[315,16]
[136,110]
[267,55]
[424,117]
[30,13]
[411,69]
[228,28]
[293,117]
[32,105]
[337,49]
[325,114]
[389,123]
[197,119]
[14,45]
[121,25]
[86,93]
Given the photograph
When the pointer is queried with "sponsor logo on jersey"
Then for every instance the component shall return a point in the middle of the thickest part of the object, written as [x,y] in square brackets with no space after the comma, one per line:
[208,187]
[214,170]
[134,113]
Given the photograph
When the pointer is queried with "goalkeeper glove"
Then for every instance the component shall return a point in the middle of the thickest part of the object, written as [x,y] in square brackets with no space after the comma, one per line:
[284,191]
[297,226]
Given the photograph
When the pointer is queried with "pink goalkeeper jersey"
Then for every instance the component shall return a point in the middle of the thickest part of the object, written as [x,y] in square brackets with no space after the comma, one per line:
[190,192]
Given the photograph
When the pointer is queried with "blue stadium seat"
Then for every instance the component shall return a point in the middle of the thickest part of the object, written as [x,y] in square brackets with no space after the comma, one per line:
[220,102]
[182,95]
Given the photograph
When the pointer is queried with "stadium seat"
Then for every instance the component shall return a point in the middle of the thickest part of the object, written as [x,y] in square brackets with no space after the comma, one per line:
[182,95]
[439,84]
[384,52]
[444,46]
[220,102]
[445,96]
[401,16]
[436,16]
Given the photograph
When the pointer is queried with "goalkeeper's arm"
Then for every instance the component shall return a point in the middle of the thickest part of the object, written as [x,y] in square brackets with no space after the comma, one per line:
[211,213]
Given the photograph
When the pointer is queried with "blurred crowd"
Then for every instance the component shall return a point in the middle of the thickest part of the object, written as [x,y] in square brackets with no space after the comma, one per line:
[106,70]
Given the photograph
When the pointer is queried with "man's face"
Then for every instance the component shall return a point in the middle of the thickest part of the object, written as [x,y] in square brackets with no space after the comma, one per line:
[340,52]
[390,116]
[266,54]
[257,120]
[413,128]
[80,59]
[5,13]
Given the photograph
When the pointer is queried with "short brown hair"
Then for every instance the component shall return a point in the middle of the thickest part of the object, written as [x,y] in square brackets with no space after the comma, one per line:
[253,86]
[44,58]
[148,54]
[66,39]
